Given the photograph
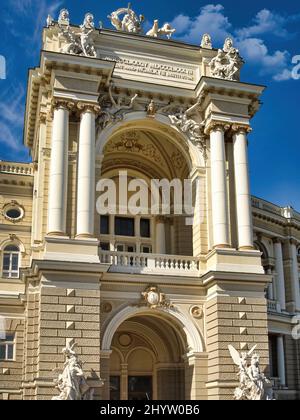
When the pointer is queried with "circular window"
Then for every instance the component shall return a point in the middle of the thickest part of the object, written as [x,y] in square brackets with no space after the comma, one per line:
[13,212]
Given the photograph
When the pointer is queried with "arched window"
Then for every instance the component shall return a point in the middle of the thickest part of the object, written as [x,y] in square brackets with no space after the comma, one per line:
[11,262]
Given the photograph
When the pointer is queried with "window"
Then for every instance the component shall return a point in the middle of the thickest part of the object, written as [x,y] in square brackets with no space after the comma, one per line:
[145,228]
[146,249]
[115,388]
[11,257]
[104,225]
[13,212]
[124,226]
[7,346]
[273,356]
[125,248]
[104,246]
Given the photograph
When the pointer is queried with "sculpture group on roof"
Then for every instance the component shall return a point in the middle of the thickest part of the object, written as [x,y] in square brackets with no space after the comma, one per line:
[225,65]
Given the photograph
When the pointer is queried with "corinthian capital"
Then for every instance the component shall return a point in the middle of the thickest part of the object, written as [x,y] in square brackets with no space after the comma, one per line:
[241,128]
[217,126]
[86,107]
[62,104]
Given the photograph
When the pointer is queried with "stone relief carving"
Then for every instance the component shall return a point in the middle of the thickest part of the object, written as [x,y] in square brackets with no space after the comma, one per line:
[151,109]
[253,383]
[206,42]
[86,36]
[227,63]
[72,382]
[165,30]
[49,21]
[153,298]
[194,130]
[129,142]
[114,111]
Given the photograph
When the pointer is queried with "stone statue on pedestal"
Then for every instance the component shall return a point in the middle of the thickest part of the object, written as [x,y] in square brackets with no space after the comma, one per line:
[71,382]
[254,386]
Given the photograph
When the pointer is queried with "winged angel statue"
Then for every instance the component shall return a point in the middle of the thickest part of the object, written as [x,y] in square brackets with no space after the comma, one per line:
[253,383]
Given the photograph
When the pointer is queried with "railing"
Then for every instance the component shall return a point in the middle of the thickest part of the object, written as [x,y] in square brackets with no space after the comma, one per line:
[128,262]
[287,212]
[16,168]
[272,306]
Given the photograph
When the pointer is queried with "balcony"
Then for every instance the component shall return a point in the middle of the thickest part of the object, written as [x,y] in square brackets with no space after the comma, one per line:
[155,264]
[25,169]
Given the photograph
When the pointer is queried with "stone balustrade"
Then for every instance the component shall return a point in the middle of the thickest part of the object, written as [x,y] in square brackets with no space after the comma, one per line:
[287,212]
[168,265]
[24,169]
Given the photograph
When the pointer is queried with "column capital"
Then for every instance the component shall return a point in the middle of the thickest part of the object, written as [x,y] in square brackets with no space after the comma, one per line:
[88,107]
[160,219]
[294,241]
[241,129]
[217,126]
[277,240]
[62,104]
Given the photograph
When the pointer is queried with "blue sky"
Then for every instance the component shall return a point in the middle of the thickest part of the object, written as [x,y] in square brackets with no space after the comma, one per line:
[267,33]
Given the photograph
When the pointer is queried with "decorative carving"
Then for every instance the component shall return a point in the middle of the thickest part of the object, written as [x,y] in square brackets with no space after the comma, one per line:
[85,107]
[115,112]
[71,382]
[188,126]
[196,312]
[157,32]
[78,44]
[228,63]
[177,160]
[130,22]
[130,143]
[125,340]
[62,103]
[151,109]
[49,21]
[241,128]
[217,125]
[106,307]
[206,42]
[253,383]
[153,298]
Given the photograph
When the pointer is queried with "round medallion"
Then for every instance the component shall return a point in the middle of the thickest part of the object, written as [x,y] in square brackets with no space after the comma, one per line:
[106,307]
[125,340]
[196,312]
[153,298]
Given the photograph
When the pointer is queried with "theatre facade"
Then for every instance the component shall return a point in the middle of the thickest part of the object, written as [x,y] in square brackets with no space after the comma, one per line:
[153,299]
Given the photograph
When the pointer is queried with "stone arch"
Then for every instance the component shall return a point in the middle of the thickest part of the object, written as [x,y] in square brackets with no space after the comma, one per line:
[193,336]
[14,241]
[159,124]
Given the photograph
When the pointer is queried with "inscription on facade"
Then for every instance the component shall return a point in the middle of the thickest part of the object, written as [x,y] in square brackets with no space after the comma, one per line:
[169,71]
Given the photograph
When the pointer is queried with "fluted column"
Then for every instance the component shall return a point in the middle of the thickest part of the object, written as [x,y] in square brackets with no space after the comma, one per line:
[219,196]
[58,180]
[281,360]
[242,187]
[280,281]
[160,236]
[86,172]
[295,274]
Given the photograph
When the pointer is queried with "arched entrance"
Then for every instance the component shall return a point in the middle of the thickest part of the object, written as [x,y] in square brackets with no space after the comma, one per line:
[149,355]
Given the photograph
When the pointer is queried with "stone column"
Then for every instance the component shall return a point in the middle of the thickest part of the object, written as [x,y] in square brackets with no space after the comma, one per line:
[124,382]
[172,237]
[58,182]
[295,274]
[86,172]
[219,196]
[160,236]
[242,187]
[279,278]
[281,360]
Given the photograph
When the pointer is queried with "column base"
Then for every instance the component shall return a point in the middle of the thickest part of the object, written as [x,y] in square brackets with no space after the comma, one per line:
[222,246]
[84,236]
[246,248]
[58,234]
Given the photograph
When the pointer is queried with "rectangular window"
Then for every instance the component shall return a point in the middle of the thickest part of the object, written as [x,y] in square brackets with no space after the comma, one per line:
[124,226]
[104,246]
[7,346]
[146,249]
[273,356]
[145,228]
[10,265]
[115,388]
[104,225]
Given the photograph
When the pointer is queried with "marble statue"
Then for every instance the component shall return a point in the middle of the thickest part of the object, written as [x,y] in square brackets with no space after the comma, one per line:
[87,29]
[77,43]
[50,21]
[64,17]
[254,386]
[130,22]
[206,42]
[71,382]
[157,32]
[227,63]
[114,112]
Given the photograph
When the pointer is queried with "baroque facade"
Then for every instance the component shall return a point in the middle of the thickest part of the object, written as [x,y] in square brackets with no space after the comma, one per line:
[151,301]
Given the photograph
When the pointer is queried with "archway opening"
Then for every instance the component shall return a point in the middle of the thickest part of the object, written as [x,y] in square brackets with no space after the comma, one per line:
[147,361]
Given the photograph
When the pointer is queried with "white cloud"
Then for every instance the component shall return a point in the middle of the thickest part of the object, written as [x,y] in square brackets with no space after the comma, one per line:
[265,22]
[212,19]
